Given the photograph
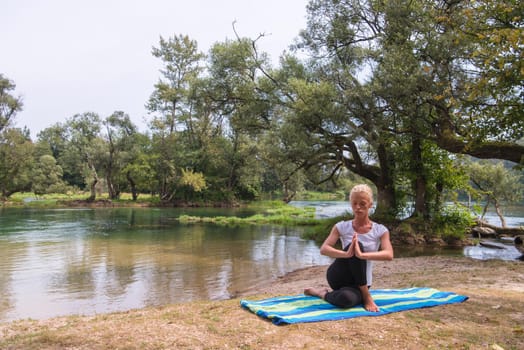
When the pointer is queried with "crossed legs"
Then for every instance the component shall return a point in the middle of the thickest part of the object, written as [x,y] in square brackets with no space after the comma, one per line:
[347,278]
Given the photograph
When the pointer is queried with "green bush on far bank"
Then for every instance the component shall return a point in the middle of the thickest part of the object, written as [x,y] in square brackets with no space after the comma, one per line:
[29,199]
[322,196]
[274,213]
[453,222]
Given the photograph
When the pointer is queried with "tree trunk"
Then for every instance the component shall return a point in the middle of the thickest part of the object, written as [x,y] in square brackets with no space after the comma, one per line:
[485,210]
[386,196]
[385,199]
[132,185]
[92,197]
[512,231]
[420,183]
[110,187]
[288,197]
[109,171]
[499,213]
[163,191]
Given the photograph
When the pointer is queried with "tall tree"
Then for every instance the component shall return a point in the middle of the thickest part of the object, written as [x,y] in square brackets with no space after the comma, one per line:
[336,104]
[138,170]
[181,65]
[47,176]
[9,104]
[398,73]
[16,160]
[497,185]
[119,132]
[172,107]
[56,140]
[16,147]
[473,108]
[233,68]
[485,112]
[85,148]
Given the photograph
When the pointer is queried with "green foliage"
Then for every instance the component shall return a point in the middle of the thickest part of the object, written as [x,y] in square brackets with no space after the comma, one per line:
[172,96]
[193,180]
[414,102]
[281,215]
[16,160]
[339,195]
[390,92]
[496,182]
[47,176]
[9,104]
[496,185]
[120,136]
[495,95]
[453,222]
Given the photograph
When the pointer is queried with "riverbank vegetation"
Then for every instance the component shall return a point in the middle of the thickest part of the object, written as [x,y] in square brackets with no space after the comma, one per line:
[451,227]
[441,90]
[281,215]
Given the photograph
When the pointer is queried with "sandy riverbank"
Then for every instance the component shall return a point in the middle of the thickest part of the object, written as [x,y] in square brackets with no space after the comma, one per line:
[493,316]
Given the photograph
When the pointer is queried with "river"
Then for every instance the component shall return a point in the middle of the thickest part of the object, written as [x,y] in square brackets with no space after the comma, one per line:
[87,261]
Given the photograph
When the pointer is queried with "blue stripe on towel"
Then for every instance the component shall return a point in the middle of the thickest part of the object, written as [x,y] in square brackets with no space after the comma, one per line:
[303,308]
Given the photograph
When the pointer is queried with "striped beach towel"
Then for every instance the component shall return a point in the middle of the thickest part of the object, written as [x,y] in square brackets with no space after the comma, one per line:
[303,308]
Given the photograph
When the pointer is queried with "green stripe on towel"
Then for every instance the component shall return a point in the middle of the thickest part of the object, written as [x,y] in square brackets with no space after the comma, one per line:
[303,308]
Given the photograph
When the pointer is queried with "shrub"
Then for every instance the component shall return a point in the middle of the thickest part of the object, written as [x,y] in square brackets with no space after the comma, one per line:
[453,221]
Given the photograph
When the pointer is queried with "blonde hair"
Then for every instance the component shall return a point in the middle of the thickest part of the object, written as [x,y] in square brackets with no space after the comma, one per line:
[362,188]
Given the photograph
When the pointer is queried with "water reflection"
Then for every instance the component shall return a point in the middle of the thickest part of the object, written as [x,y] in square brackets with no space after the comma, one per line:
[485,253]
[57,262]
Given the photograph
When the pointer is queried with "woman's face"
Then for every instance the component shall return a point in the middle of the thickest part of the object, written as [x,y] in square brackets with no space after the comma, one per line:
[360,203]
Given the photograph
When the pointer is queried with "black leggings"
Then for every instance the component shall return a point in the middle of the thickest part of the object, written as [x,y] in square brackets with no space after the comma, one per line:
[344,276]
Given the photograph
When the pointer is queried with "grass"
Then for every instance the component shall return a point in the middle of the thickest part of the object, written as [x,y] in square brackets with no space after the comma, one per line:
[272,214]
[322,196]
[29,199]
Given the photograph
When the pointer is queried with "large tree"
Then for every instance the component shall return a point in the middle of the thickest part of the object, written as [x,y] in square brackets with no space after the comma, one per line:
[16,148]
[85,148]
[496,185]
[46,176]
[170,103]
[9,104]
[171,106]
[472,54]
[237,97]
[16,160]
[119,136]
[54,141]
[138,169]
[391,74]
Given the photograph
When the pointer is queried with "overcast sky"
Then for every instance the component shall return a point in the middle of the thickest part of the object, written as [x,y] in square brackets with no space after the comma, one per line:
[72,56]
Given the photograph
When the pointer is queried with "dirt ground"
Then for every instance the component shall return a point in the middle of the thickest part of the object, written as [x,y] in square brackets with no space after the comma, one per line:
[492,317]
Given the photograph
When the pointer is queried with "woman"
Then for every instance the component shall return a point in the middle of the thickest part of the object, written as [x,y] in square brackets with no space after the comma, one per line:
[350,275]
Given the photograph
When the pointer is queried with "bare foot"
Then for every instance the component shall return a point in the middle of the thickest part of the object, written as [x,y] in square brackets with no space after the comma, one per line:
[316,292]
[370,305]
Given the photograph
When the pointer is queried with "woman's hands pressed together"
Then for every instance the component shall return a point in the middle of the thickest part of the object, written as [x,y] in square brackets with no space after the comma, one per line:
[354,248]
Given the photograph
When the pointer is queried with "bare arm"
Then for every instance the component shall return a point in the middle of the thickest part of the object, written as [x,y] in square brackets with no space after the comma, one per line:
[328,247]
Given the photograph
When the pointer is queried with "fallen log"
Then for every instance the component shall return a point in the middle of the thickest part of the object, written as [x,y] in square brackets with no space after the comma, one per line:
[493,245]
[510,231]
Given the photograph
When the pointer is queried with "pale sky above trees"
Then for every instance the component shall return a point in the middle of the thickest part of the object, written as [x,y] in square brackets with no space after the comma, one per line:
[68,57]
